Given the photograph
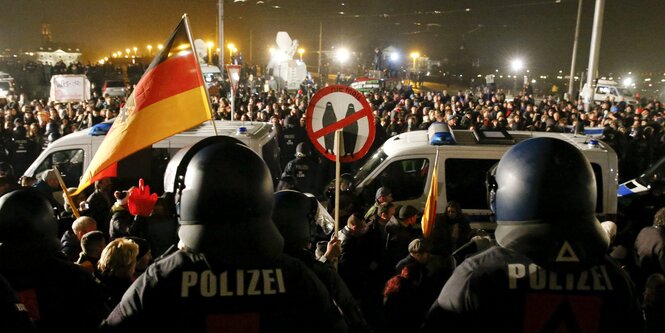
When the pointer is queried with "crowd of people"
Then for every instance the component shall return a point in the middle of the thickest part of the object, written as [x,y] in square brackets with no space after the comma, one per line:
[379,274]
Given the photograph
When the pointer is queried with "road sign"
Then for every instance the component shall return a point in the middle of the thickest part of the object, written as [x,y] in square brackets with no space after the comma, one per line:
[234,76]
[340,107]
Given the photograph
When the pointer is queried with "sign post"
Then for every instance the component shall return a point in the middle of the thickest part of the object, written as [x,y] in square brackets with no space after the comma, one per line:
[340,124]
[234,77]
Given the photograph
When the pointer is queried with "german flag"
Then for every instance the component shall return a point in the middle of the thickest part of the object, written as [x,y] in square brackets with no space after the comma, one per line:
[429,215]
[169,98]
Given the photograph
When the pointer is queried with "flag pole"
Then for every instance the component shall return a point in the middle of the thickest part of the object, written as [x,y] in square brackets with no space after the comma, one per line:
[196,56]
[70,201]
[338,146]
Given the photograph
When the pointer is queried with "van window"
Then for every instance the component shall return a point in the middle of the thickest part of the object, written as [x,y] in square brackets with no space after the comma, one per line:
[603,90]
[69,162]
[465,181]
[406,178]
[371,164]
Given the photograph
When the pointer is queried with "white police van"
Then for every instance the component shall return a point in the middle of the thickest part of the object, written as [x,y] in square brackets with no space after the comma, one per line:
[405,162]
[607,90]
[72,153]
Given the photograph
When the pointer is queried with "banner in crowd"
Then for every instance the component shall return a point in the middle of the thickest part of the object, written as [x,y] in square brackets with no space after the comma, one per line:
[69,88]
[169,98]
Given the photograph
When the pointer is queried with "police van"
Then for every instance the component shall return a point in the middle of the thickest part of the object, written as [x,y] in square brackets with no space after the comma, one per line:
[72,153]
[405,162]
[607,90]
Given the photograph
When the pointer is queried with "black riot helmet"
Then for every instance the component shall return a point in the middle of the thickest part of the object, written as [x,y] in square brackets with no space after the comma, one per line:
[27,226]
[224,199]
[303,149]
[544,200]
[295,217]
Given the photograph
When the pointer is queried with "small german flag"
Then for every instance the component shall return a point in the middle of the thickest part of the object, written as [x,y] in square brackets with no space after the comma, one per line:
[169,98]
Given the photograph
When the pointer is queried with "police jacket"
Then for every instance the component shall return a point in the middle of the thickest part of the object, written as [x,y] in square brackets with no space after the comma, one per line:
[513,294]
[59,295]
[306,173]
[336,287]
[185,293]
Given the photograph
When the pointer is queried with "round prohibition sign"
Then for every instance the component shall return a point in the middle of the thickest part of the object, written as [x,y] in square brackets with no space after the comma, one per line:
[340,107]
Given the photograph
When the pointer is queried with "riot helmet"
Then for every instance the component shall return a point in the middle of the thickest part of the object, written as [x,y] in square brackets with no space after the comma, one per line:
[294,215]
[544,198]
[27,225]
[224,200]
[303,150]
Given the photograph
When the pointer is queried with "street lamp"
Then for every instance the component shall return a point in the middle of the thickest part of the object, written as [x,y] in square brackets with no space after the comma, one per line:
[231,48]
[516,65]
[343,55]
[415,56]
[210,45]
[127,52]
[149,50]
[301,51]
[160,46]
[135,49]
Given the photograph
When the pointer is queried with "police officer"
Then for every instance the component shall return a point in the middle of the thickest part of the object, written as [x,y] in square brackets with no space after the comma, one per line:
[289,138]
[229,273]
[295,215]
[550,271]
[59,296]
[305,170]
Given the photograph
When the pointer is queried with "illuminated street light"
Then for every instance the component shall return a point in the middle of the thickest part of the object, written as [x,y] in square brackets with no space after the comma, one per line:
[135,49]
[627,82]
[210,46]
[516,64]
[342,55]
[301,51]
[415,56]
[394,56]
[127,51]
[160,47]
[231,48]
[115,55]
[149,50]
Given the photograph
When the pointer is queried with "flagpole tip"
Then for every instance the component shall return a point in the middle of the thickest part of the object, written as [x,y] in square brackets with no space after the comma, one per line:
[184,15]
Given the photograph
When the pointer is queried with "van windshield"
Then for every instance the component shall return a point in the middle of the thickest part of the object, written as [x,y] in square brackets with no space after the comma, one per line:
[625,92]
[370,165]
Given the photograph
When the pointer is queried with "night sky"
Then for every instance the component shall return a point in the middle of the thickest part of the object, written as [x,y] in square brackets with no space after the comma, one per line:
[491,32]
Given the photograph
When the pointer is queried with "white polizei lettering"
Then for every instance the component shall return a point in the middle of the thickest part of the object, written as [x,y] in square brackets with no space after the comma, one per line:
[240,282]
[247,283]
[570,281]
[608,282]
[280,281]
[268,281]
[254,282]
[188,280]
[554,283]
[224,285]
[596,278]
[582,281]
[537,277]
[208,284]
[515,272]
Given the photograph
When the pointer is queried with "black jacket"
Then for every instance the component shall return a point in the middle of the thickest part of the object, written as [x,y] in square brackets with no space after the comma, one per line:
[185,293]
